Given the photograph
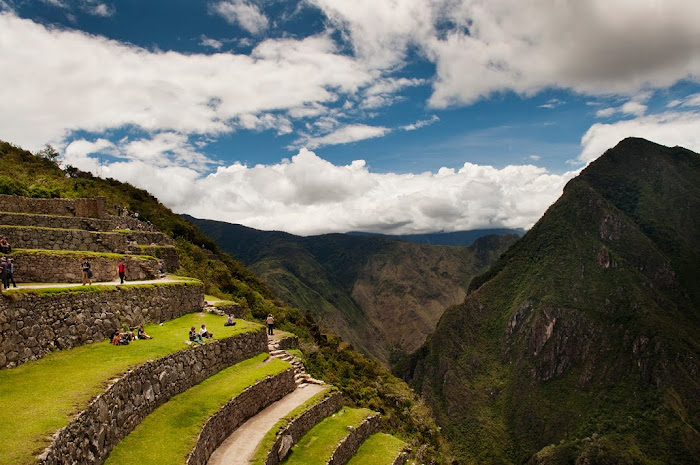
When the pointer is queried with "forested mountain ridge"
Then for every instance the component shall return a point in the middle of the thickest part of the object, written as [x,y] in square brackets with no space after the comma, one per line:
[380,294]
[580,345]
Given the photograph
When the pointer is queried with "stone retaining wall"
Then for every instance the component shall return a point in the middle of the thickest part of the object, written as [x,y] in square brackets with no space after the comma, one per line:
[298,427]
[92,434]
[401,458]
[24,237]
[348,446]
[86,207]
[37,267]
[166,253]
[289,342]
[34,324]
[242,407]
[110,223]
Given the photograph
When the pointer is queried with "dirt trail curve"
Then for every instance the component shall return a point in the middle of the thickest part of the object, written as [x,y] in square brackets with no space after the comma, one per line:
[238,448]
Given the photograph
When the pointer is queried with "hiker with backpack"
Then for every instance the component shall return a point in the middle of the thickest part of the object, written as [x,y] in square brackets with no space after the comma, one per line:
[87,272]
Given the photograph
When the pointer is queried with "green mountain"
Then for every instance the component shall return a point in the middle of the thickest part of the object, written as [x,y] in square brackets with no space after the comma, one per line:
[465,238]
[581,344]
[382,295]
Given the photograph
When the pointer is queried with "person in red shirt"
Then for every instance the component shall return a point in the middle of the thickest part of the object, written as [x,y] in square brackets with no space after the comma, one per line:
[122,270]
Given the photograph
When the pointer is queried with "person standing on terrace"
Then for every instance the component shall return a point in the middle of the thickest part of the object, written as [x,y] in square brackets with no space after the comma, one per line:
[122,271]
[87,272]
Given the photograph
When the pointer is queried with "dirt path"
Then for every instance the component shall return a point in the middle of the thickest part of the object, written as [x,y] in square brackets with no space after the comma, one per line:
[238,448]
[166,279]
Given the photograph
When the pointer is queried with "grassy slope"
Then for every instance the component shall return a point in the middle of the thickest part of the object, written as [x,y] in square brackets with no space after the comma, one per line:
[62,383]
[583,329]
[167,435]
[378,449]
[316,447]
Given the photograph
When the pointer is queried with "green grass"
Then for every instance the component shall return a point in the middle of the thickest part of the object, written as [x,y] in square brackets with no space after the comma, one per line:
[378,449]
[319,443]
[12,293]
[79,254]
[168,434]
[266,443]
[37,398]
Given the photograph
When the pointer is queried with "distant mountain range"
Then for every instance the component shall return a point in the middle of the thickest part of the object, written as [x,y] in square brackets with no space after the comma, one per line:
[382,295]
[581,344]
[464,238]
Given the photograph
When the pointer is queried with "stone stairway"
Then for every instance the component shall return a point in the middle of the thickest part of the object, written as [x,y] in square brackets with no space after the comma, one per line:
[301,377]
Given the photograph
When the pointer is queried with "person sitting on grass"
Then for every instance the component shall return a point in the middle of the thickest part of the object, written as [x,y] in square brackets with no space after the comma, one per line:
[141,334]
[204,333]
[229,321]
[194,337]
[5,246]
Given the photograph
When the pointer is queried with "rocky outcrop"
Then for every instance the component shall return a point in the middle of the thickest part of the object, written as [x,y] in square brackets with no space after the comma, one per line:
[34,324]
[92,434]
[348,446]
[299,426]
[48,267]
[85,207]
[239,409]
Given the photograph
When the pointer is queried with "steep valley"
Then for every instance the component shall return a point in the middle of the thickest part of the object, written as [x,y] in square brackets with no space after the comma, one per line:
[382,295]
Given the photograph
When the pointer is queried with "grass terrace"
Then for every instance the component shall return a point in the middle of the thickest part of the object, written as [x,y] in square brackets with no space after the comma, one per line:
[268,441]
[378,449]
[78,254]
[317,446]
[168,435]
[37,398]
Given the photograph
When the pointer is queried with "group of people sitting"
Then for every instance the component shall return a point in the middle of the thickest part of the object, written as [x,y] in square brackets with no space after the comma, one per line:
[199,337]
[123,338]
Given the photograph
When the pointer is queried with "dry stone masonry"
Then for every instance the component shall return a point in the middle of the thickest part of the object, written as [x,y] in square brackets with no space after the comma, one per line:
[45,267]
[348,446]
[242,407]
[89,208]
[34,324]
[299,426]
[110,223]
[91,435]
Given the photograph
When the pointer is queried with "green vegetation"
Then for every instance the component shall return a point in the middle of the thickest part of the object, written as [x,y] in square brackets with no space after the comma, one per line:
[319,443]
[62,383]
[95,288]
[267,442]
[378,449]
[167,435]
[79,254]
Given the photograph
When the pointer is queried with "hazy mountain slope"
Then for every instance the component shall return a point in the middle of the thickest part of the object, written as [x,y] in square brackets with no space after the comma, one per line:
[384,296]
[581,345]
[465,238]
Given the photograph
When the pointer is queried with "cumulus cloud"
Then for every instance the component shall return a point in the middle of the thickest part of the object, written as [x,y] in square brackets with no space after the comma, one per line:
[481,48]
[633,107]
[246,15]
[671,128]
[309,195]
[100,84]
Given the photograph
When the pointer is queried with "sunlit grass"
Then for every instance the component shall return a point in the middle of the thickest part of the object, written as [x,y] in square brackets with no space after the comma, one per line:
[37,398]
[378,449]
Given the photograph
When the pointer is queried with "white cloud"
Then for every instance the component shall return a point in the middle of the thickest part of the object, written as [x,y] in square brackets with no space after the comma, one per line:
[100,9]
[671,128]
[481,48]
[246,15]
[345,135]
[633,107]
[421,123]
[209,42]
[606,112]
[309,195]
[99,84]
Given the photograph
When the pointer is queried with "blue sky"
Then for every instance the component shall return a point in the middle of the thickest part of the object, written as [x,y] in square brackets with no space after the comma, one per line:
[312,116]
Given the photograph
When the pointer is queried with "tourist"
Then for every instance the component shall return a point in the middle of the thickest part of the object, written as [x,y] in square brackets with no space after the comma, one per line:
[10,273]
[161,266]
[141,334]
[229,321]
[3,272]
[122,270]
[87,272]
[270,324]
[194,337]
[5,246]
[204,333]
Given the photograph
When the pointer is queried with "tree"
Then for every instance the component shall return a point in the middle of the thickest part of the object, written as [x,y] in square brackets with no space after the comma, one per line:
[49,153]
